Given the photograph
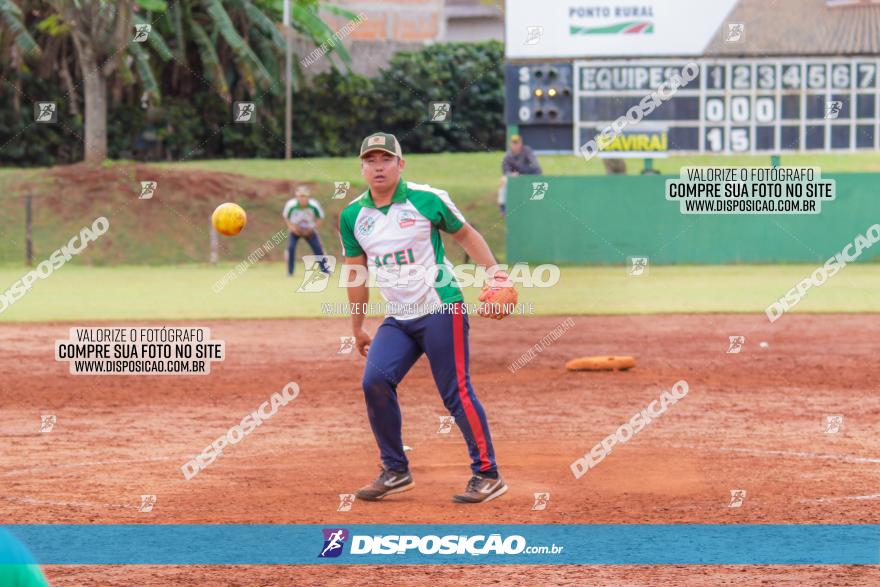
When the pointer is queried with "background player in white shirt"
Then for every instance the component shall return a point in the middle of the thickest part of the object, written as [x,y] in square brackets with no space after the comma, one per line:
[303,216]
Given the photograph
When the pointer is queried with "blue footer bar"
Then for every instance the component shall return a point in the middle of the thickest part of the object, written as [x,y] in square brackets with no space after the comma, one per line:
[592,544]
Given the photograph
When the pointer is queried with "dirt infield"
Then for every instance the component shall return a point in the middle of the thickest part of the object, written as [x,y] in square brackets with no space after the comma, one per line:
[752,420]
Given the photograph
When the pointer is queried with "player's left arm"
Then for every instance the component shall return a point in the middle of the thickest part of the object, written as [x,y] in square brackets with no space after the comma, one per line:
[498,291]
[446,216]
[475,245]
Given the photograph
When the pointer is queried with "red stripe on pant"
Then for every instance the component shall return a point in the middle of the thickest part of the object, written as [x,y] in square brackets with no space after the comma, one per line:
[470,412]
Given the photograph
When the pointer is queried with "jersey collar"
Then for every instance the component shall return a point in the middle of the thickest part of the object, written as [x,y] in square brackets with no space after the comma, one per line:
[399,196]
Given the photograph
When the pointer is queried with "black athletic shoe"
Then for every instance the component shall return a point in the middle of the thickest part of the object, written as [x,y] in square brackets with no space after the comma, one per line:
[388,483]
[480,489]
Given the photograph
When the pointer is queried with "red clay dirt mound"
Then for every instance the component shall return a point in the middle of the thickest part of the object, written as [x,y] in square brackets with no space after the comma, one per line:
[170,227]
[751,421]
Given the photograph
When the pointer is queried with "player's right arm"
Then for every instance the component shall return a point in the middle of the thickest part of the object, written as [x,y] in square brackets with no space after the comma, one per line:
[354,273]
[358,296]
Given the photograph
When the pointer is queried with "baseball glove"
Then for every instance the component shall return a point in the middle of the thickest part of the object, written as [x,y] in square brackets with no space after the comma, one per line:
[498,297]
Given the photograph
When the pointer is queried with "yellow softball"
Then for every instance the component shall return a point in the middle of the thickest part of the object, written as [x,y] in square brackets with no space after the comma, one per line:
[229,219]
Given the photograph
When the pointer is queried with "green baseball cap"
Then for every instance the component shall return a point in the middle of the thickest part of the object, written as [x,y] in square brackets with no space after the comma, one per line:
[381,141]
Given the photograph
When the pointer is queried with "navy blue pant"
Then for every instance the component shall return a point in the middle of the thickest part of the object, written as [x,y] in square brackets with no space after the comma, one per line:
[398,344]
[313,241]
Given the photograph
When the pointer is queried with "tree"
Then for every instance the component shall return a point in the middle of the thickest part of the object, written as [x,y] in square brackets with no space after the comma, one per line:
[15,43]
[215,39]
[100,31]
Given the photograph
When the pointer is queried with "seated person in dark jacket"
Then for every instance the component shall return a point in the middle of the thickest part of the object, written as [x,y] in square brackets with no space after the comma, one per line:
[520,159]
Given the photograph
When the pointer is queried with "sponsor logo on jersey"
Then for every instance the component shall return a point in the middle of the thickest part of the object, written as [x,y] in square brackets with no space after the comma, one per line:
[406,218]
[365,225]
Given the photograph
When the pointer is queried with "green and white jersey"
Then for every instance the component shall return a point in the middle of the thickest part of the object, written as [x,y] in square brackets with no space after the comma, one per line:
[405,232]
[303,216]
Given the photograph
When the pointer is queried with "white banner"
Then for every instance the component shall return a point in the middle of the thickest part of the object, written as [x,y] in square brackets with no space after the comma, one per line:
[580,29]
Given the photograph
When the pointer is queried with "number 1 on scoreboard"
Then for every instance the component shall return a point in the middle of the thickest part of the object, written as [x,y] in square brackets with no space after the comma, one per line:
[715,139]
[715,79]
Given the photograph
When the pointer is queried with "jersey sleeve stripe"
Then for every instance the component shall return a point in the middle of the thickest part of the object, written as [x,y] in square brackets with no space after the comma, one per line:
[442,195]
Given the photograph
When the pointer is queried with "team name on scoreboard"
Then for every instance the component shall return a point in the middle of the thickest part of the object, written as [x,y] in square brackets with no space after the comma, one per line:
[625,77]
[635,143]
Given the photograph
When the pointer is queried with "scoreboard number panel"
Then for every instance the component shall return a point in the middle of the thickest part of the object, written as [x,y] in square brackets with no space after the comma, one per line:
[739,105]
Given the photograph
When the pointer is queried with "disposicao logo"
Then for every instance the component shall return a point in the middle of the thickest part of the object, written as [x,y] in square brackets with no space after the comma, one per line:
[334,540]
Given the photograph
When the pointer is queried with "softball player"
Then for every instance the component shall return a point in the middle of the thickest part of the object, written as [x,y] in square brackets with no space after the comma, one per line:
[303,216]
[393,224]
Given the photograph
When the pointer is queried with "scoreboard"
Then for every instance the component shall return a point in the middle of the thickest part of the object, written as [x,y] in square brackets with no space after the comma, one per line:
[738,106]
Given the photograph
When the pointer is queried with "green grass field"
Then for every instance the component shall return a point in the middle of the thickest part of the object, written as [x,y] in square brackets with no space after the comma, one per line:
[162,291]
[78,293]
[472,180]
